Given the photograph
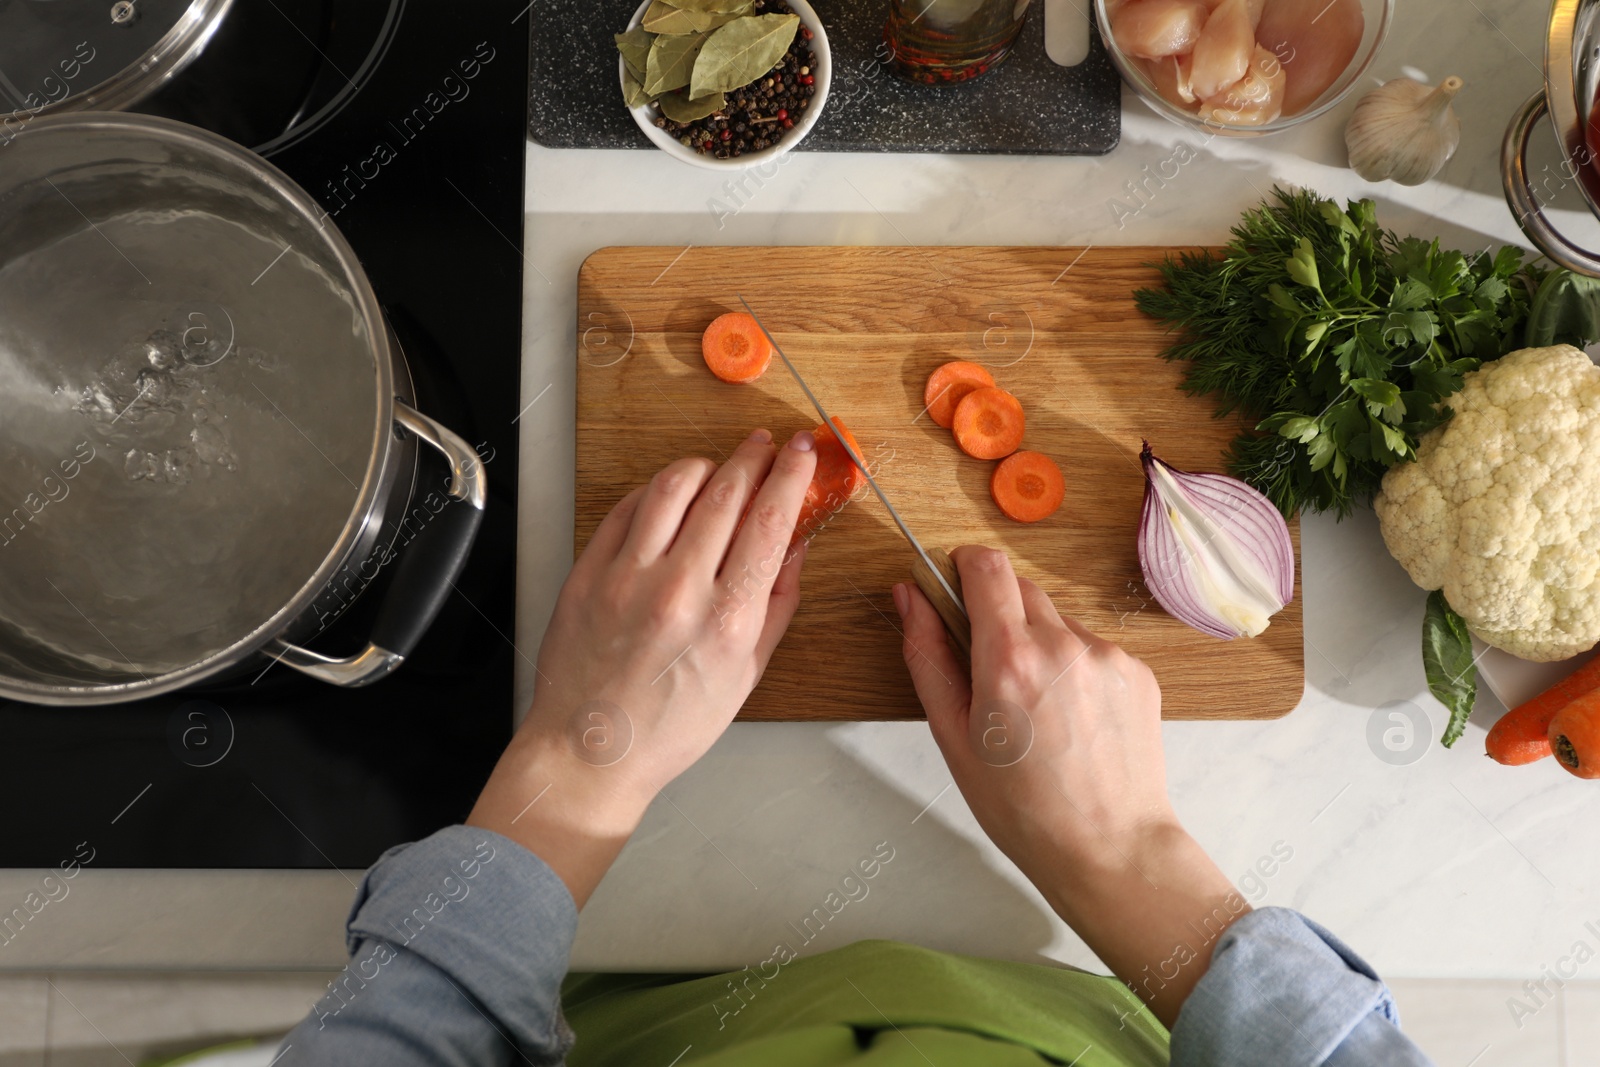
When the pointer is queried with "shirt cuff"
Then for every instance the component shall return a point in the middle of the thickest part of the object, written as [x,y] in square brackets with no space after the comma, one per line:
[1280,990]
[487,913]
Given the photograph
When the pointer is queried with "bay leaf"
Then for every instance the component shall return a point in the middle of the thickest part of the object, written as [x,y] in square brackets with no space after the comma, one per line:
[721,7]
[662,17]
[633,93]
[635,48]
[680,108]
[671,61]
[665,18]
[741,51]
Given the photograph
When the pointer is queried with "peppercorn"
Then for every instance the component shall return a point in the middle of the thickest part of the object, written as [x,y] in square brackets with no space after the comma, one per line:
[756,115]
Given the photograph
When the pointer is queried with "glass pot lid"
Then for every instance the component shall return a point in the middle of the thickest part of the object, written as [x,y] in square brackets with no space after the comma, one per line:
[58,55]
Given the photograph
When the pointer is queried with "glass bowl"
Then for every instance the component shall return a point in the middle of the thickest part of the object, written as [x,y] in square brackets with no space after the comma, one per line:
[1377,15]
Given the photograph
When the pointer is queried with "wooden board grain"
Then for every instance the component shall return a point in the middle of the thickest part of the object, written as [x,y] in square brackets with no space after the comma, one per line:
[866,325]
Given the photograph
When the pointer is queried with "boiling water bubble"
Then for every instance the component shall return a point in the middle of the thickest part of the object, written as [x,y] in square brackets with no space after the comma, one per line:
[205,333]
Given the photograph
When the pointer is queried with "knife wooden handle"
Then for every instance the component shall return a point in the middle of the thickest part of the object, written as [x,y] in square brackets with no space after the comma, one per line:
[956,622]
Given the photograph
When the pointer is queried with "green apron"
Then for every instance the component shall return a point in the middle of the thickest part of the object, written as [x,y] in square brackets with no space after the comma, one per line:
[872,1004]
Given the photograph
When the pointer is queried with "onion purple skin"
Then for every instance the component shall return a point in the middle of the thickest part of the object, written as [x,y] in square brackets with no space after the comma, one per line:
[1253,520]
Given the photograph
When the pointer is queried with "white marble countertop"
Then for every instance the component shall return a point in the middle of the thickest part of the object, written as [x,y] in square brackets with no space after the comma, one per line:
[1447,865]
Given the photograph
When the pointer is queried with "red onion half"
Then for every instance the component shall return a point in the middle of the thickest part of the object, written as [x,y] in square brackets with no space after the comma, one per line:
[1216,554]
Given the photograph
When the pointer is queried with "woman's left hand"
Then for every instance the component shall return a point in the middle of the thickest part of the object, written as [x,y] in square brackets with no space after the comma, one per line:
[665,624]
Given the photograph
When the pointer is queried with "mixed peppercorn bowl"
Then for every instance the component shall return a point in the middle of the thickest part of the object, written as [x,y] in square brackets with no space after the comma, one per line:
[762,120]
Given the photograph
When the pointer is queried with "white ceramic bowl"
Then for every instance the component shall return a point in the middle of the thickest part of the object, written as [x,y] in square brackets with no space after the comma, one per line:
[821,70]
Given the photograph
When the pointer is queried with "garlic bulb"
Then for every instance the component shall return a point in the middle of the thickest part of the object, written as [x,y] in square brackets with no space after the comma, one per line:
[1404,130]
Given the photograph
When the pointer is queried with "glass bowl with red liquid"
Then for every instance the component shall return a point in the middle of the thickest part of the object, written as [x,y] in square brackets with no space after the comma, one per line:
[1316,51]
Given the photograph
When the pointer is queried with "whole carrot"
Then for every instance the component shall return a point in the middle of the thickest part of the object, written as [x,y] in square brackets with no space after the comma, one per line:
[1523,734]
[1575,736]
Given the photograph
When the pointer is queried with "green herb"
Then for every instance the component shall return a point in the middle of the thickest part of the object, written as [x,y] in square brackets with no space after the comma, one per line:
[718,7]
[671,62]
[664,53]
[1565,311]
[1448,662]
[635,48]
[680,108]
[633,93]
[1339,337]
[742,51]
[664,18]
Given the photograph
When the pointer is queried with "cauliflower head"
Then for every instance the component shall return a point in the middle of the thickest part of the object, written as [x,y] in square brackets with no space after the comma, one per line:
[1501,507]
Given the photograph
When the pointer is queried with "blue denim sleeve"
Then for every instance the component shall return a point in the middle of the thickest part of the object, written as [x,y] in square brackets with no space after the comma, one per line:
[1283,992]
[458,945]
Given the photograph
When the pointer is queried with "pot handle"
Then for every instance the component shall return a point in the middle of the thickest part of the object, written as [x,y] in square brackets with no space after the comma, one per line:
[1525,205]
[424,575]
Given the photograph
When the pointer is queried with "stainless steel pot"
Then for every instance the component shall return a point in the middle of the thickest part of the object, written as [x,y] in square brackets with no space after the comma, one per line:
[207,446]
[1571,79]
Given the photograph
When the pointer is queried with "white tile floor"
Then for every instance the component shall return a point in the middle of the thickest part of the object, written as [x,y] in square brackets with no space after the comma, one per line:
[104,1020]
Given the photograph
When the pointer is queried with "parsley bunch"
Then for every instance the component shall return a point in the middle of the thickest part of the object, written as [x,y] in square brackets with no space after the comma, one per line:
[1339,337]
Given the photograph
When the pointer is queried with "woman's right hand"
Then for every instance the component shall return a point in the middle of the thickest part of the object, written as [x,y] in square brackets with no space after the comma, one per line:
[1056,739]
[1055,742]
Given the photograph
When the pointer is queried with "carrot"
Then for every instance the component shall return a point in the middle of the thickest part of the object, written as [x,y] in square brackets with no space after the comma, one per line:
[988,423]
[735,348]
[1028,486]
[836,480]
[948,384]
[1575,735]
[1523,734]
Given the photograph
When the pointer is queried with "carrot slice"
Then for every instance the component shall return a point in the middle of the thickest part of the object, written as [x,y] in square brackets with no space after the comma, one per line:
[948,384]
[735,348]
[988,423]
[1028,486]
[836,480]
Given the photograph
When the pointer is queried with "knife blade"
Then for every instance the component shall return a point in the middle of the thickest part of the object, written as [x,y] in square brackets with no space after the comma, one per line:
[936,570]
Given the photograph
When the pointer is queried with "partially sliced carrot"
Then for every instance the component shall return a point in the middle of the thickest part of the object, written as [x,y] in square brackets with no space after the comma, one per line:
[1028,486]
[988,423]
[948,384]
[735,348]
[836,480]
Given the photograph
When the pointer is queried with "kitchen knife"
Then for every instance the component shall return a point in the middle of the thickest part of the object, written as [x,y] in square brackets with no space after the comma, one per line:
[934,570]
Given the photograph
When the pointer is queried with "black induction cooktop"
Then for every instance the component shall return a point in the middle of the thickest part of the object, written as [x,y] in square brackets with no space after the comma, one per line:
[406,119]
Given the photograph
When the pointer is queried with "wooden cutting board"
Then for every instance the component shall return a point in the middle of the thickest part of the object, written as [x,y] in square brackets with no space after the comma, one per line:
[865,325]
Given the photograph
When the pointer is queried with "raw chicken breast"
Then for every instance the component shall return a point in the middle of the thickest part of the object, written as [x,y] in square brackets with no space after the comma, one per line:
[1171,77]
[1222,54]
[1154,28]
[1315,40]
[1255,98]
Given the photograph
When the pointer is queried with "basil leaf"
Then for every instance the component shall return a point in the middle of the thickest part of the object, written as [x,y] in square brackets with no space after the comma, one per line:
[1565,310]
[742,51]
[1448,663]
